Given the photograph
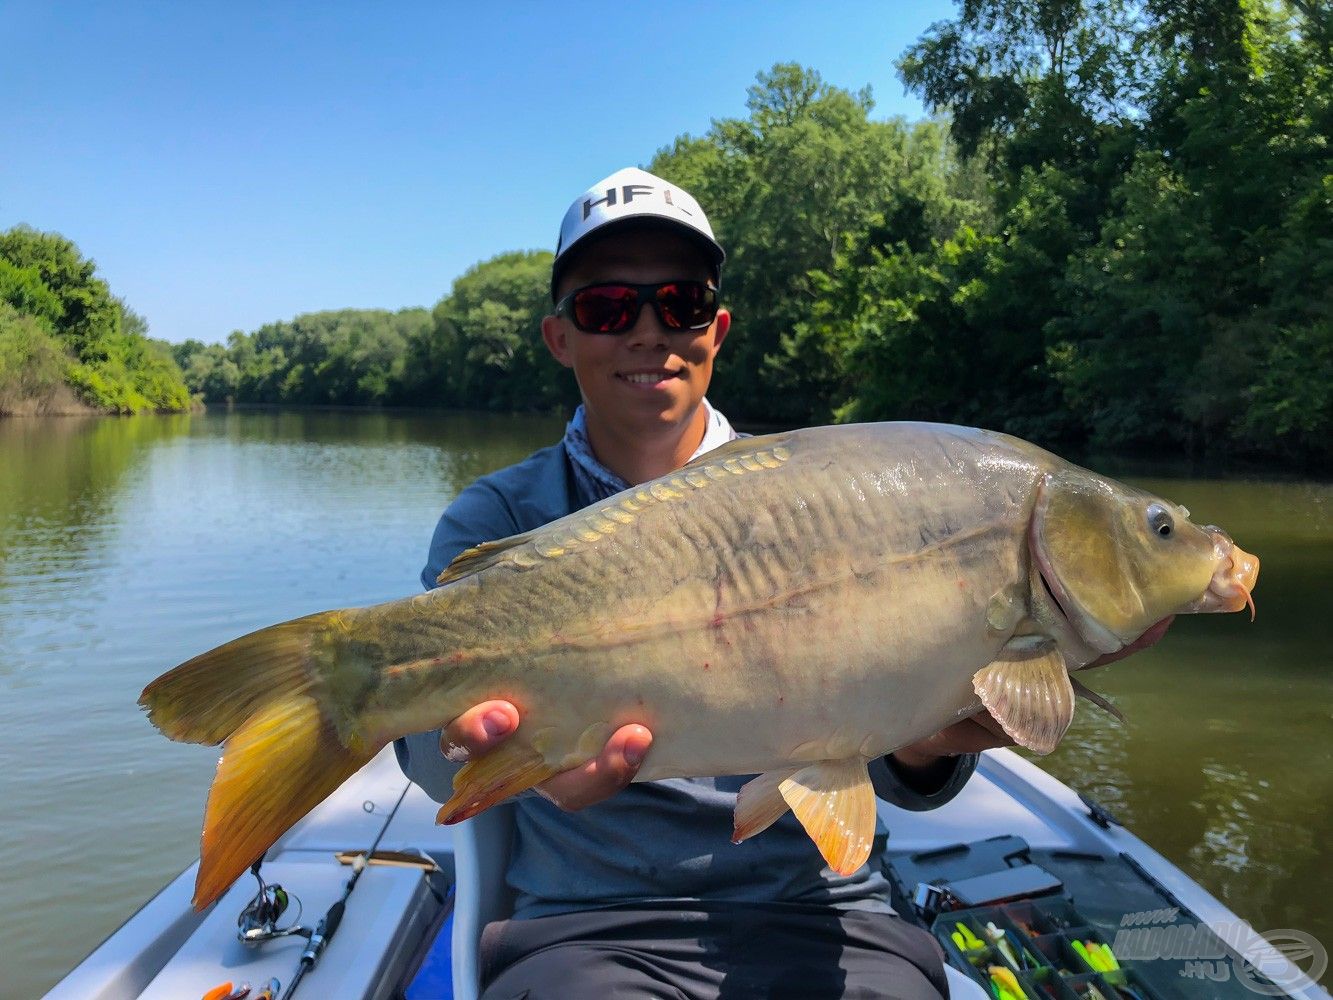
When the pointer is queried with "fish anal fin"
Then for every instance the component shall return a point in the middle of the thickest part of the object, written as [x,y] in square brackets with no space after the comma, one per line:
[510,768]
[759,804]
[1100,700]
[1027,690]
[283,761]
[835,803]
[479,557]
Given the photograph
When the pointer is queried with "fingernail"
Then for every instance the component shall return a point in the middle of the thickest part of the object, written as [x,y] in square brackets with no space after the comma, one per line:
[634,754]
[495,723]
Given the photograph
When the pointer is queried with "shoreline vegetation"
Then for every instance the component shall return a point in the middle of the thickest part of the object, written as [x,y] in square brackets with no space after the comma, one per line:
[1116,235]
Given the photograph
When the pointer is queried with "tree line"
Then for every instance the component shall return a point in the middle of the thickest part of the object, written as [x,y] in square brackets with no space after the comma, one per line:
[67,343]
[1116,231]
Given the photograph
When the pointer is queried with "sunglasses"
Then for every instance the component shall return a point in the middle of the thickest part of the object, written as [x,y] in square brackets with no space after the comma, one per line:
[614,307]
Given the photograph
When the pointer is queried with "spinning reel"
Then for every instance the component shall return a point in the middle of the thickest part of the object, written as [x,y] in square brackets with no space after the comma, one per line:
[258,922]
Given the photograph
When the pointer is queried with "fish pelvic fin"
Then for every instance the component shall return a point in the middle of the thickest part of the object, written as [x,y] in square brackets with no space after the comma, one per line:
[206,699]
[759,804]
[510,768]
[278,765]
[835,803]
[1027,690]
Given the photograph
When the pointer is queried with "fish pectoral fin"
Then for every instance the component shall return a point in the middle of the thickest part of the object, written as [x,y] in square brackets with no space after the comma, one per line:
[1027,690]
[759,804]
[1100,700]
[510,768]
[835,803]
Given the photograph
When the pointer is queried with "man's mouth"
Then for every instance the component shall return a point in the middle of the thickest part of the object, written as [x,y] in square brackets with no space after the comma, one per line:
[647,378]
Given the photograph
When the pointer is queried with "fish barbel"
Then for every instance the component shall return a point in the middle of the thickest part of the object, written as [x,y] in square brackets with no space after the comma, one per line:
[793,605]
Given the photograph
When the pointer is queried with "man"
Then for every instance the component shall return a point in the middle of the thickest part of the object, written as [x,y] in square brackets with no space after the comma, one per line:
[634,889]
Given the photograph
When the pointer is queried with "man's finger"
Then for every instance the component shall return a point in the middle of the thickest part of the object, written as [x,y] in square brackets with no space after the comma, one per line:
[478,729]
[604,775]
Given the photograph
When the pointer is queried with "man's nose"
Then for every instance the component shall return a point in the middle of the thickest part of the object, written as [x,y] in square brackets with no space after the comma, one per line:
[648,330]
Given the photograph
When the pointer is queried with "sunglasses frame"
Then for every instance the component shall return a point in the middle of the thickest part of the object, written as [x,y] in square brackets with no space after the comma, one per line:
[644,294]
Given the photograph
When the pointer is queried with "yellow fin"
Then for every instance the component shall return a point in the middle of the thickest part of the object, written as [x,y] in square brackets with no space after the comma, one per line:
[759,804]
[479,557]
[510,768]
[1100,700]
[281,763]
[207,698]
[1028,692]
[835,803]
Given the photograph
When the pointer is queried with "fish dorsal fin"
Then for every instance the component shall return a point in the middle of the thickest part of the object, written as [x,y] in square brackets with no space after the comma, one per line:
[1100,700]
[833,799]
[479,557]
[1028,692]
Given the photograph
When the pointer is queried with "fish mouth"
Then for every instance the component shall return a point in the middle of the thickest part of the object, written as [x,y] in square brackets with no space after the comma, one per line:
[1234,576]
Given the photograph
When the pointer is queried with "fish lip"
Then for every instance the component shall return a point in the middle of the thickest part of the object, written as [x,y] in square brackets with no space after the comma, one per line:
[1234,577]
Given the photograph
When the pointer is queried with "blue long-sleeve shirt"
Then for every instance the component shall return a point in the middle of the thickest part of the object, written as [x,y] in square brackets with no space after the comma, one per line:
[654,841]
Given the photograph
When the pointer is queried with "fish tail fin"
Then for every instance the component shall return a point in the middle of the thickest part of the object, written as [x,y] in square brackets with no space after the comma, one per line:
[269,695]
[279,764]
[206,699]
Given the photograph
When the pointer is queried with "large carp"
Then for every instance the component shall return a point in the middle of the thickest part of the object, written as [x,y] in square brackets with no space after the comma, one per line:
[794,605]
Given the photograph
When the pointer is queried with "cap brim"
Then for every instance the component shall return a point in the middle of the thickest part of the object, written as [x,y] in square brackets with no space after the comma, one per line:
[712,250]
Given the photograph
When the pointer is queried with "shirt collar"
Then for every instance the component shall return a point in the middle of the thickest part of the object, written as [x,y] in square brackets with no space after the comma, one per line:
[596,482]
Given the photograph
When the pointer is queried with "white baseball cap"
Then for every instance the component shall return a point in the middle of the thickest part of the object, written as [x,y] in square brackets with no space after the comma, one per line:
[632,195]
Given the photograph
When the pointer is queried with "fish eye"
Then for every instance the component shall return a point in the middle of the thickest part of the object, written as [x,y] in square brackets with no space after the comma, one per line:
[1159,521]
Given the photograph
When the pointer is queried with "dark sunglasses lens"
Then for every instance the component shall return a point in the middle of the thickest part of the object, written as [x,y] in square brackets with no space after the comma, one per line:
[687,305]
[605,308]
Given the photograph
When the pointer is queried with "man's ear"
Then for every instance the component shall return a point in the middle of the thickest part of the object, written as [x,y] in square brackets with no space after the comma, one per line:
[721,327]
[556,335]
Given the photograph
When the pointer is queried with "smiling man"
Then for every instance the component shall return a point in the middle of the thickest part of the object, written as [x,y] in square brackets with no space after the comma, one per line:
[622,889]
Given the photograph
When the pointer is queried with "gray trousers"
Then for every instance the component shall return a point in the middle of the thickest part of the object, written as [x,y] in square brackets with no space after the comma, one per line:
[720,953]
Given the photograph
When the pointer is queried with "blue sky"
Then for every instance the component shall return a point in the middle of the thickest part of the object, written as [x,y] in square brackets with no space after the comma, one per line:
[231,164]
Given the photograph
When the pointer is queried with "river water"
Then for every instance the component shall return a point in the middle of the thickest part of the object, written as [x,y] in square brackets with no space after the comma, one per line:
[128,545]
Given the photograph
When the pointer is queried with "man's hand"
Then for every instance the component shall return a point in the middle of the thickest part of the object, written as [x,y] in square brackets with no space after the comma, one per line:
[485,726]
[981,732]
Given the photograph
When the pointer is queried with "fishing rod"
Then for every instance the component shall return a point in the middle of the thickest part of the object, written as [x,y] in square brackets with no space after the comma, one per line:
[328,924]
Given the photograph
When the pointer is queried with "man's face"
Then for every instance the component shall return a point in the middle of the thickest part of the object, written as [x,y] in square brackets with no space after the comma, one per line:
[650,377]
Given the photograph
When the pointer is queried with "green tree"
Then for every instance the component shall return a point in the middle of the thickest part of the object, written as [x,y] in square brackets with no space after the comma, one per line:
[484,349]
[802,183]
[113,365]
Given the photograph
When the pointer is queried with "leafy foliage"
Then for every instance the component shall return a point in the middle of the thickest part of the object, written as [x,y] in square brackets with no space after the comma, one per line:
[60,317]
[478,348]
